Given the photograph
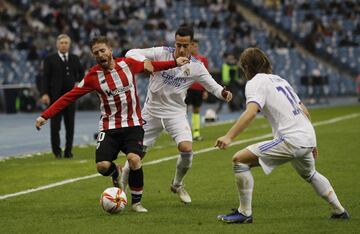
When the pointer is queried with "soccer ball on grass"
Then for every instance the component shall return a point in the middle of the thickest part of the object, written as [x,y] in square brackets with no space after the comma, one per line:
[113,200]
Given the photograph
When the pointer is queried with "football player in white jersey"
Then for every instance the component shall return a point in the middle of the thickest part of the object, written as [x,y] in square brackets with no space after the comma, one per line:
[165,106]
[294,137]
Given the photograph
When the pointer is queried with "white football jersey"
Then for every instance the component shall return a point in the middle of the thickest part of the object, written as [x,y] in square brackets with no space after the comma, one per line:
[281,106]
[167,89]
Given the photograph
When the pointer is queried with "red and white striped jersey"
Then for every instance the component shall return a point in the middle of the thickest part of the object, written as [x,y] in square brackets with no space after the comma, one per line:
[116,88]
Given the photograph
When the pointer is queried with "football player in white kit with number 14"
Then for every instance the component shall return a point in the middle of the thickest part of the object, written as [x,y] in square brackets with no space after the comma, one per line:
[165,106]
[294,137]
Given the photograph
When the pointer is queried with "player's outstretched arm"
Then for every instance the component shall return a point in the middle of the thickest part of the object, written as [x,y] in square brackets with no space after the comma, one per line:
[40,121]
[143,54]
[71,96]
[210,85]
[148,67]
[165,65]
[153,66]
[243,122]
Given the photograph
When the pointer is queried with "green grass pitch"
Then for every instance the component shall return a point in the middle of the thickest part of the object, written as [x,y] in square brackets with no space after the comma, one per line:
[282,201]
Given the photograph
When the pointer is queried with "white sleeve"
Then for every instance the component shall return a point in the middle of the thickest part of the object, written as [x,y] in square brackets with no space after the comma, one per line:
[152,54]
[208,82]
[255,92]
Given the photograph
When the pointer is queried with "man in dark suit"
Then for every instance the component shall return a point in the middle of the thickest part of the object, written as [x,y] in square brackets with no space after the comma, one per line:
[62,71]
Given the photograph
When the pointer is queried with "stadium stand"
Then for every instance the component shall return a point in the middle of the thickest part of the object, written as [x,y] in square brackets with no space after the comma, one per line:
[28,30]
[328,29]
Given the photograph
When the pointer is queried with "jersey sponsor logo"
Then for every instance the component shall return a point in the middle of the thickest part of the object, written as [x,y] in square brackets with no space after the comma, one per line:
[173,80]
[118,90]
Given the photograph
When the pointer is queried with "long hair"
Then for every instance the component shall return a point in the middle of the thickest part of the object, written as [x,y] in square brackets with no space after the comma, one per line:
[254,61]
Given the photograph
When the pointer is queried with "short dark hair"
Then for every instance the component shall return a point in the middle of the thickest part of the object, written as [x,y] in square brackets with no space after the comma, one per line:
[100,39]
[254,61]
[185,31]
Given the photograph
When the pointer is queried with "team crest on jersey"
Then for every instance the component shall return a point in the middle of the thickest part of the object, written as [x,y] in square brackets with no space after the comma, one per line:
[187,72]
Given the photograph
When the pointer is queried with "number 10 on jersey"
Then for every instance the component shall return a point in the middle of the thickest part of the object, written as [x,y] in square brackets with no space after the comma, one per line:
[290,97]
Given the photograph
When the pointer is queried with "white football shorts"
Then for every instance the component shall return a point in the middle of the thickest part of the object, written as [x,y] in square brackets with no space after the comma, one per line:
[178,128]
[275,152]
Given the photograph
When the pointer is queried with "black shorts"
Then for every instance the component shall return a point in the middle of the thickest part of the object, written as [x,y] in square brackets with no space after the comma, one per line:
[194,97]
[111,142]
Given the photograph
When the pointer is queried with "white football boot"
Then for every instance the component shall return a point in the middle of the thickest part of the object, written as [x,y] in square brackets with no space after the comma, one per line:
[180,190]
[137,207]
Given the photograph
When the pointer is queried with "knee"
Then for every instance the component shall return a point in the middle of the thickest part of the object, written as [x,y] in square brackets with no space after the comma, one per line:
[308,176]
[246,157]
[236,158]
[103,167]
[134,161]
[185,146]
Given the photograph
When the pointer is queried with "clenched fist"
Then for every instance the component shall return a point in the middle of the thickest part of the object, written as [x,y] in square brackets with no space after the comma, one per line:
[148,67]
[182,61]
[226,94]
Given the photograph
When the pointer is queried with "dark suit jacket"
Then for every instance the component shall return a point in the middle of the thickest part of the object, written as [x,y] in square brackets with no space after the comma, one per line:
[59,77]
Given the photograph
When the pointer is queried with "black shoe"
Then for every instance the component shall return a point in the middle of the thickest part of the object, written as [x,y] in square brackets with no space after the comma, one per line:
[343,215]
[68,155]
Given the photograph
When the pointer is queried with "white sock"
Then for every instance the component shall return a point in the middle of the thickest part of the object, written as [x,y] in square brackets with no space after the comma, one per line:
[245,185]
[183,164]
[125,175]
[324,189]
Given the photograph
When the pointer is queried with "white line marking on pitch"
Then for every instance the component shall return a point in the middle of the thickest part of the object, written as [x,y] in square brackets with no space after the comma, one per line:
[68,181]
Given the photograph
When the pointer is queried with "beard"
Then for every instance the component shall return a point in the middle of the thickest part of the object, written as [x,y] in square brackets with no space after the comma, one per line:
[105,63]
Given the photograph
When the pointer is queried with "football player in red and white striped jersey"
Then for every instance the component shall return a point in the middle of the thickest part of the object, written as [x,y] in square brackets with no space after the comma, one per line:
[120,126]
